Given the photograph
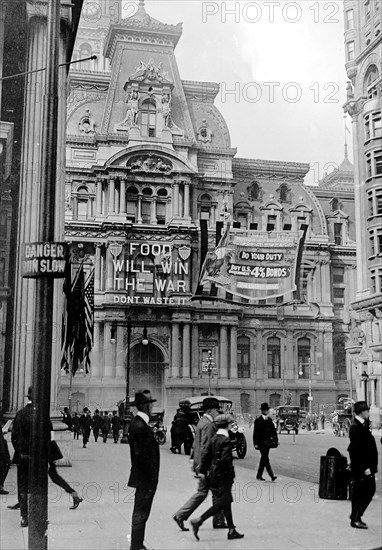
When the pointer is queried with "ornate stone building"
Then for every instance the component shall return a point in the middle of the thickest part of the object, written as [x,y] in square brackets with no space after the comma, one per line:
[363,44]
[149,160]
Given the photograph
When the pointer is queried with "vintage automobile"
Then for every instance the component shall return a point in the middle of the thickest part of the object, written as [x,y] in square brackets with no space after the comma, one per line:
[341,420]
[193,408]
[288,418]
[157,426]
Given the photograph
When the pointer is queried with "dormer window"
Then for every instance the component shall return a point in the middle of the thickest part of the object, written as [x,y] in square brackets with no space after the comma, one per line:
[148,124]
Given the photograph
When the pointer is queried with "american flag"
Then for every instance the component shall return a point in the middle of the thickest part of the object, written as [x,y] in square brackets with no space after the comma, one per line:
[89,316]
[77,327]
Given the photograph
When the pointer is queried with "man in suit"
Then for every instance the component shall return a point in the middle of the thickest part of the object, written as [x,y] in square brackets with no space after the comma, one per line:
[364,464]
[263,430]
[144,452]
[115,426]
[205,430]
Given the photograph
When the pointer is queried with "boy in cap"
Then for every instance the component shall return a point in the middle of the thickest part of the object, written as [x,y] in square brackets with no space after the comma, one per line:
[205,430]
[364,464]
[218,462]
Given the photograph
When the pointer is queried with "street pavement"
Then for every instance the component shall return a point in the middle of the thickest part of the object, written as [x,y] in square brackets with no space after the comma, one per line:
[287,514]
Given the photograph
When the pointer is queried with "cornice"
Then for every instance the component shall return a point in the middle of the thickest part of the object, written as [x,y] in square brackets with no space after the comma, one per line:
[200,91]
[272,168]
[370,302]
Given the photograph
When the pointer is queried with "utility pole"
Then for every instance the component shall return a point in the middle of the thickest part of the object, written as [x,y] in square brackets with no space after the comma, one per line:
[38,502]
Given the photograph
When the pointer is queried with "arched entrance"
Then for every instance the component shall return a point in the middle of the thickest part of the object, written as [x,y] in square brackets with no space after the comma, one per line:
[147,371]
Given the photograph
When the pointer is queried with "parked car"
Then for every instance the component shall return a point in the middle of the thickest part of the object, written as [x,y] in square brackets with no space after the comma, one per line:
[193,408]
[288,418]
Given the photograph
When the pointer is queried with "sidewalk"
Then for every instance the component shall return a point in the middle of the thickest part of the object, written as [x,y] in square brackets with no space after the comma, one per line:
[284,515]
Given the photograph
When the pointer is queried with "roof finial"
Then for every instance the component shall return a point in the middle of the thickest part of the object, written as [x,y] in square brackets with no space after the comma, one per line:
[142,4]
[346,130]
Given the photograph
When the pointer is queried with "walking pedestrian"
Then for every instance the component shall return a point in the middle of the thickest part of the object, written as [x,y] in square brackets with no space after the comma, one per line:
[115,426]
[264,438]
[76,426]
[96,424]
[217,462]
[363,464]
[67,419]
[205,430]
[144,453]
[105,427]
[179,432]
[21,440]
[5,462]
[85,425]
[322,418]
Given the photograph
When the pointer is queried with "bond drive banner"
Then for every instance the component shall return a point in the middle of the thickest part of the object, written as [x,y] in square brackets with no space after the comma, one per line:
[255,265]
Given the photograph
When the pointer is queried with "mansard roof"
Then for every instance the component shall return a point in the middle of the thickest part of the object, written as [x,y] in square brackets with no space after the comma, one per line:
[341,177]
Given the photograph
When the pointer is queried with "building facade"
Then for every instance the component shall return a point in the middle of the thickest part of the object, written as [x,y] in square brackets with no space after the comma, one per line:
[363,45]
[149,162]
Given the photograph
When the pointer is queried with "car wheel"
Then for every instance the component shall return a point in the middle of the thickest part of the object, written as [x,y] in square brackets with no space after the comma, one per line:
[241,446]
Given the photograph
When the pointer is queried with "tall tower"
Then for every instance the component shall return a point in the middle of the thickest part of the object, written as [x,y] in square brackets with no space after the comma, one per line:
[363,46]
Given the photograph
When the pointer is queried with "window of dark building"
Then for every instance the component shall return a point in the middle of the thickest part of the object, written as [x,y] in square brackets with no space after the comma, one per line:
[148,119]
[273,357]
[245,403]
[274,400]
[254,192]
[303,356]
[304,402]
[378,162]
[338,233]
[335,204]
[338,292]
[338,273]
[243,357]
[339,358]
[283,193]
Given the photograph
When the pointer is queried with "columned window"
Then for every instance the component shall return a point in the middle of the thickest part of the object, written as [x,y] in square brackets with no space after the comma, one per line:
[148,120]
[303,356]
[339,358]
[243,357]
[273,357]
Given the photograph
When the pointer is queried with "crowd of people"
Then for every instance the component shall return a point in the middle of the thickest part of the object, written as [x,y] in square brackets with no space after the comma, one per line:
[99,424]
[211,457]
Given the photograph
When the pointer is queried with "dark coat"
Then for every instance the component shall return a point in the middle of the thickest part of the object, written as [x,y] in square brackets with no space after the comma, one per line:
[5,459]
[85,423]
[180,427]
[362,449]
[116,422]
[263,430]
[144,453]
[217,462]
[97,421]
[21,430]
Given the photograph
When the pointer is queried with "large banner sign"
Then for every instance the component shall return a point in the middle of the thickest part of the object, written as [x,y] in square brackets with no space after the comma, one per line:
[254,265]
[151,273]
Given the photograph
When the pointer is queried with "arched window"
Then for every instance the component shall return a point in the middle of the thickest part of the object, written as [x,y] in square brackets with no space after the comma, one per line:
[371,76]
[161,206]
[205,206]
[243,357]
[82,196]
[284,193]
[303,356]
[335,204]
[273,357]
[148,119]
[254,192]
[147,194]
[274,400]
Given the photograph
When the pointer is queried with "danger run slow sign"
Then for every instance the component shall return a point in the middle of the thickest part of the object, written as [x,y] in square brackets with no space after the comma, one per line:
[44,260]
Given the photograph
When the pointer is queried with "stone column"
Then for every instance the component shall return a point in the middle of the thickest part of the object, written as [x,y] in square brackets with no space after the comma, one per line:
[139,210]
[108,350]
[29,208]
[153,211]
[122,197]
[97,267]
[186,351]
[223,367]
[99,197]
[195,352]
[96,359]
[175,352]
[111,196]
[233,369]
[75,208]
[186,199]
[120,355]
[175,199]
[109,270]
[116,199]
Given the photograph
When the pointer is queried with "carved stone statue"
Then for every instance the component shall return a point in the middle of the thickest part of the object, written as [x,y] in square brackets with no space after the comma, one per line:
[166,109]
[131,118]
[349,90]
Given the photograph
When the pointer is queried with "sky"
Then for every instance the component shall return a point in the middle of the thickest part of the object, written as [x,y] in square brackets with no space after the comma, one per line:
[280,65]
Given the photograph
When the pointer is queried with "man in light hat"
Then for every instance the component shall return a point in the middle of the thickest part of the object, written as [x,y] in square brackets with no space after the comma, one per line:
[144,452]
[205,430]
[364,464]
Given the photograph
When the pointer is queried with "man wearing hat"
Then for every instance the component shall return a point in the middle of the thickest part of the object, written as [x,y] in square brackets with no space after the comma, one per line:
[364,464]
[144,452]
[204,432]
[263,431]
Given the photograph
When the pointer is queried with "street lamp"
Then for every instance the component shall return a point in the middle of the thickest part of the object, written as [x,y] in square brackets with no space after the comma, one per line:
[209,369]
[301,373]
[126,415]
